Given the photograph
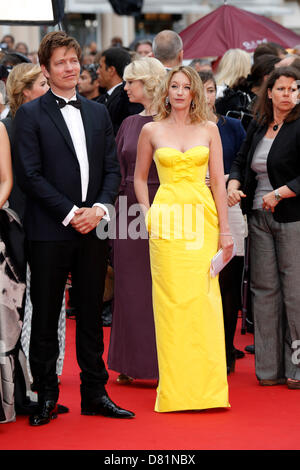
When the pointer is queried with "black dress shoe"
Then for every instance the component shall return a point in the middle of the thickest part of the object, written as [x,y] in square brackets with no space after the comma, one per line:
[239,354]
[61,409]
[231,365]
[250,349]
[107,314]
[29,407]
[47,411]
[104,406]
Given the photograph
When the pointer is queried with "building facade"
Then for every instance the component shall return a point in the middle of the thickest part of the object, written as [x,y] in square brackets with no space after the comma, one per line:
[95,21]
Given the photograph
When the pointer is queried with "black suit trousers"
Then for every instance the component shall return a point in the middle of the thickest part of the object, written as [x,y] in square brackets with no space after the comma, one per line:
[50,263]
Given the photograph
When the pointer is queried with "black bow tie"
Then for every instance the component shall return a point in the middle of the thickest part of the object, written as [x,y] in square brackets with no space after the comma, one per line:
[62,103]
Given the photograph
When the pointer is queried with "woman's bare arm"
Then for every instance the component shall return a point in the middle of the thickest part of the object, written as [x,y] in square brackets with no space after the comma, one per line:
[217,183]
[143,163]
[6,176]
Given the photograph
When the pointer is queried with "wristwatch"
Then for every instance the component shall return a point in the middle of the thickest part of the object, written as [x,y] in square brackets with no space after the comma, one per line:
[278,197]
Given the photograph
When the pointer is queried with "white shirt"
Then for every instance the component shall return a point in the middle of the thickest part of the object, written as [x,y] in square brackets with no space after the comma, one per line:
[4,113]
[73,119]
[109,92]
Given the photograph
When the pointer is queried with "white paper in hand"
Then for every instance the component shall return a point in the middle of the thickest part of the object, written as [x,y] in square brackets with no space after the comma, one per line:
[217,263]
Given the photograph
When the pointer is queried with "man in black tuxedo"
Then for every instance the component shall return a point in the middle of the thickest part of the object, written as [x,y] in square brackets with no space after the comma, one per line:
[110,72]
[68,169]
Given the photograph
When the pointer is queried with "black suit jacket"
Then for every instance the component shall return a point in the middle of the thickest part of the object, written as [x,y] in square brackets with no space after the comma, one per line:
[283,165]
[119,106]
[48,170]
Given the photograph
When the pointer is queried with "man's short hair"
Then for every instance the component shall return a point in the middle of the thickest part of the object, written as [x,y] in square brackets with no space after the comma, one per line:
[9,36]
[118,58]
[92,70]
[141,42]
[52,41]
[167,45]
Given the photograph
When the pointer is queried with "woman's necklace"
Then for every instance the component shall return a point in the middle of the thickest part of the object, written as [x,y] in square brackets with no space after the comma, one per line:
[276,125]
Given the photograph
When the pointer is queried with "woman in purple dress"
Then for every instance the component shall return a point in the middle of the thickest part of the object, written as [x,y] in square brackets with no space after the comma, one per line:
[132,349]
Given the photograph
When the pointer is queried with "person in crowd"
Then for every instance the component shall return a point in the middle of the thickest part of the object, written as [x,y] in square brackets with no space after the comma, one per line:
[88,84]
[232,135]
[260,71]
[22,48]
[110,73]
[10,59]
[265,178]
[186,299]
[201,65]
[12,276]
[25,83]
[143,47]
[112,62]
[167,47]
[290,59]
[67,167]
[235,63]
[4,106]
[296,49]
[9,40]
[33,57]
[132,350]
[269,48]
[92,48]
[87,59]
[286,61]
[238,100]
[116,41]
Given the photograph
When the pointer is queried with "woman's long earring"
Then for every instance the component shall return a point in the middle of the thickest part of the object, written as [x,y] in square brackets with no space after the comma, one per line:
[167,102]
[193,104]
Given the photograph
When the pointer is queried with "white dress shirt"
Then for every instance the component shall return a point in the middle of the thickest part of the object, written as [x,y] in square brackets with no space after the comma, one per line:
[73,119]
[110,91]
[4,113]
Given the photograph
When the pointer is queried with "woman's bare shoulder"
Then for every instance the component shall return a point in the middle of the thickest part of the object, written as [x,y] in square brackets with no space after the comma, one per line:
[3,131]
[211,126]
[150,126]
[149,129]
[212,129]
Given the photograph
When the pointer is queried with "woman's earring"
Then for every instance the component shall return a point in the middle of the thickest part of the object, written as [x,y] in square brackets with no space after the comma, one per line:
[167,102]
[193,104]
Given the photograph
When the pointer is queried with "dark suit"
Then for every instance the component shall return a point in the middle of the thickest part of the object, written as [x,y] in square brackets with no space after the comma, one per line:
[283,165]
[119,106]
[49,173]
[274,251]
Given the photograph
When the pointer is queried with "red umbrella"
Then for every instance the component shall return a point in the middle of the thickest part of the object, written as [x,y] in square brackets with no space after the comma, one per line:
[229,27]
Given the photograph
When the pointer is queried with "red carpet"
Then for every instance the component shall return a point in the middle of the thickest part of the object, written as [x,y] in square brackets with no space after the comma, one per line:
[259,418]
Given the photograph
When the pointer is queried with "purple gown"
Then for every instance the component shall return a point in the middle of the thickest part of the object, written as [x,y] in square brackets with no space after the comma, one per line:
[132,349]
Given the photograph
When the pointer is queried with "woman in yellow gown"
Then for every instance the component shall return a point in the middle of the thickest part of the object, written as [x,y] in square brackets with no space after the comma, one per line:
[187,223]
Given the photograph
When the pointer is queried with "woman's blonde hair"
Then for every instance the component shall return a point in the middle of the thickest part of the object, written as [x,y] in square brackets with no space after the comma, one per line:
[20,78]
[149,70]
[198,109]
[234,64]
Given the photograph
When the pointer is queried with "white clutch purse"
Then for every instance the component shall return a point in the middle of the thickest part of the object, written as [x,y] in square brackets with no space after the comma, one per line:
[217,263]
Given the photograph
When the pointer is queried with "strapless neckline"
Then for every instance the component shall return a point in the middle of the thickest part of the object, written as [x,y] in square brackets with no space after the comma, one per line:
[179,151]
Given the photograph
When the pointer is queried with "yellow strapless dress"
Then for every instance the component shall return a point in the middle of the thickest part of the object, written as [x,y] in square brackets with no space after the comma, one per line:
[183,230]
